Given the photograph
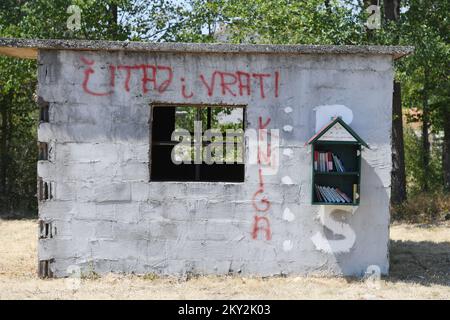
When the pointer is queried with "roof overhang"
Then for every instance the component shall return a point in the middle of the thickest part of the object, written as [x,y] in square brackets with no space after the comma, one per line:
[345,126]
[28,48]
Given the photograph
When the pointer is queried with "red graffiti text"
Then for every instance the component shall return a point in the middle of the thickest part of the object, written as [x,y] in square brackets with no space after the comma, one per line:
[158,78]
[260,202]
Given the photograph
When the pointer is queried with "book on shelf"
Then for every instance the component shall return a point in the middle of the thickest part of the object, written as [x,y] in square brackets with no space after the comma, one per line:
[338,164]
[324,196]
[343,195]
[327,162]
[322,167]
[331,195]
[322,161]
[330,161]
[316,160]
[318,195]
[339,196]
[327,194]
[355,193]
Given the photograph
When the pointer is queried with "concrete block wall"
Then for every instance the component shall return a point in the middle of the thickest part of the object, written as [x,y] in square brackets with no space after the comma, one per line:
[108,217]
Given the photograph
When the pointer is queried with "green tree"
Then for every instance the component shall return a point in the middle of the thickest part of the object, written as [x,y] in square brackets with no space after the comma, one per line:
[425,74]
[18,110]
[18,151]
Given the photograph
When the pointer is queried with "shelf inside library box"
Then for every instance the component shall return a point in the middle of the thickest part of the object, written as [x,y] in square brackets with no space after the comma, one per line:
[337,173]
[353,204]
[346,183]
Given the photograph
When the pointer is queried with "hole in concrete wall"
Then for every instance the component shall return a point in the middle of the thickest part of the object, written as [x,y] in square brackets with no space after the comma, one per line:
[44,190]
[212,146]
[43,151]
[40,189]
[45,230]
[44,107]
[44,269]
[43,113]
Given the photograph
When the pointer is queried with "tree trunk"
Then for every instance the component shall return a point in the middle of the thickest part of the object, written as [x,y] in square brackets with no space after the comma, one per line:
[398,176]
[391,10]
[114,21]
[114,13]
[446,150]
[3,137]
[327,6]
[4,157]
[425,137]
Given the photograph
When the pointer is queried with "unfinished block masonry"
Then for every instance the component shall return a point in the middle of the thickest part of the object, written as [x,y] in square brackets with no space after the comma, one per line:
[111,199]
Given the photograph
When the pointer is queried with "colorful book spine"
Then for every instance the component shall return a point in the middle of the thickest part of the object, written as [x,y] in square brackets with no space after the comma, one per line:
[331,195]
[355,193]
[320,161]
[323,162]
[340,164]
[327,162]
[330,161]
[343,195]
[336,164]
[316,160]
[318,195]
[327,194]
[338,196]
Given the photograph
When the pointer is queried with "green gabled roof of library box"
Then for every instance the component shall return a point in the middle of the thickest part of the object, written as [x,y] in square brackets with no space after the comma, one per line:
[329,125]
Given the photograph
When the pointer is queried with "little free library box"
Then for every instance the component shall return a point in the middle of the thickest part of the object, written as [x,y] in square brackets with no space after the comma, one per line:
[333,181]
[117,193]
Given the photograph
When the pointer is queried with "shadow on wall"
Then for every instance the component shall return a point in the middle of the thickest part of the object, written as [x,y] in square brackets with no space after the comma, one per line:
[369,225]
[423,262]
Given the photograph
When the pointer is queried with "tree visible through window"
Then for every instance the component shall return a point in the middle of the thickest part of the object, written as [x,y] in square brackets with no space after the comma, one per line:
[197,143]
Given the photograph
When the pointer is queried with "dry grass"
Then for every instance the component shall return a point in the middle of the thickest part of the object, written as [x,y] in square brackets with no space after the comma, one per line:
[420,268]
[427,207]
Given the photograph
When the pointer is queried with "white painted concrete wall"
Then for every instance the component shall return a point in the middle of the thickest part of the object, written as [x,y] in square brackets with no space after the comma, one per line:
[109,217]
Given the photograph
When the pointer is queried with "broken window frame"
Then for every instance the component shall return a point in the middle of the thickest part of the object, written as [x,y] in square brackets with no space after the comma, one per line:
[208,121]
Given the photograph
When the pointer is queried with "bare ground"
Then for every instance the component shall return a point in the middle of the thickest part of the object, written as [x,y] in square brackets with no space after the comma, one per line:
[420,269]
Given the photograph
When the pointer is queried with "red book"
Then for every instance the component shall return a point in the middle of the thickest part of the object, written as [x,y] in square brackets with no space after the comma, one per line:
[318,195]
[330,161]
[316,159]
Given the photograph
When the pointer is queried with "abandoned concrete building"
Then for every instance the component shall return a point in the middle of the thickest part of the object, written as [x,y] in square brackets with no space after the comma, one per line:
[115,197]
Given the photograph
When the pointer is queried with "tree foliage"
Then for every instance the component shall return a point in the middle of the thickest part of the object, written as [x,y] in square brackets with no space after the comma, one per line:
[424,75]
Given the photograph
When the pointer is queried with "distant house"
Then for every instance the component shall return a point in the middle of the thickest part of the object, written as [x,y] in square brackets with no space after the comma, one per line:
[412,119]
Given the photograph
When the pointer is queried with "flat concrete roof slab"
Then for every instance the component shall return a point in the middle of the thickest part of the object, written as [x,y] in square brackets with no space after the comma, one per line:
[28,48]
